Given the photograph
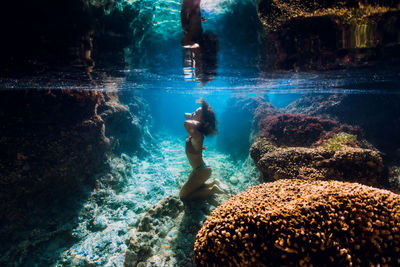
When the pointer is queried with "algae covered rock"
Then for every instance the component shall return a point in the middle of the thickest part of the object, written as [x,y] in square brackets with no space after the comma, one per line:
[287,129]
[331,160]
[303,222]
[377,115]
[260,147]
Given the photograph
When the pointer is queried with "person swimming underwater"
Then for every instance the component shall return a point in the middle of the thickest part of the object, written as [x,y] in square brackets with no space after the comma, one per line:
[191,23]
[198,124]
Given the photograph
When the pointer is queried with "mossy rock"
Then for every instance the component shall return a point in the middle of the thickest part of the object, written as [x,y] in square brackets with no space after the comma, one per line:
[260,147]
[339,141]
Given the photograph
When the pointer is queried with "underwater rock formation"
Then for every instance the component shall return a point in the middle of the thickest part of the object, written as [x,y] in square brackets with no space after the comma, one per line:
[147,239]
[376,115]
[54,148]
[265,109]
[299,130]
[305,35]
[298,145]
[125,124]
[52,141]
[166,233]
[394,177]
[331,160]
[303,222]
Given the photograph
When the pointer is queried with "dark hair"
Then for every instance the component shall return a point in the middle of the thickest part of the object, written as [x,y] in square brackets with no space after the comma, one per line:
[209,122]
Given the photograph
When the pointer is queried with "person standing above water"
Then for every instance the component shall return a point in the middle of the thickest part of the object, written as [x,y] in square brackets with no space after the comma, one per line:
[191,23]
[198,124]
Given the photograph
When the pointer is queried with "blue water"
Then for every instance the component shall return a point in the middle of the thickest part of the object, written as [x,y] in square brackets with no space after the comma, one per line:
[159,77]
[107,218]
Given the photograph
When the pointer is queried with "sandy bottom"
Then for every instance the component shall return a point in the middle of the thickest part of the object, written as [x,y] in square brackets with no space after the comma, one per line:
[112,211]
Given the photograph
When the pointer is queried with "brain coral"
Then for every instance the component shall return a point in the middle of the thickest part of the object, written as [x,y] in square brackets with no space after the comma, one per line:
[303,222]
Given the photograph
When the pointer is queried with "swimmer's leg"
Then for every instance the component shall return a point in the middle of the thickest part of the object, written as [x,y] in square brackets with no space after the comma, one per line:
[196,180]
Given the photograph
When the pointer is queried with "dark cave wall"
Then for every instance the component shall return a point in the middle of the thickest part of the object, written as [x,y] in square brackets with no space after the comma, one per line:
[46,35]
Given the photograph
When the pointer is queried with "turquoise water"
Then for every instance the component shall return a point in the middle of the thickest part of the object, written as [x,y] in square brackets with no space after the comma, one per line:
[106,219]
[160,76]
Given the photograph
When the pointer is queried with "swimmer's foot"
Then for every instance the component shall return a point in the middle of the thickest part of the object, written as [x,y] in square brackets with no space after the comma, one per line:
[215,182]
[195,45]
[217,190]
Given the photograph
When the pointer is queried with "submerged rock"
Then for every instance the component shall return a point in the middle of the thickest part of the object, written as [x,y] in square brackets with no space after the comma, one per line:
[326,162]
[376,115]
[125,124]
[55,148]
[299,130]
[147,239]
[394,177]
[300,145]
[303,222]
[53,141]
[166,233]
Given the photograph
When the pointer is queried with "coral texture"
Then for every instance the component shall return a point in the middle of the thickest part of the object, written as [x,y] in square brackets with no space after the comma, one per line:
[331,160]
[303,222]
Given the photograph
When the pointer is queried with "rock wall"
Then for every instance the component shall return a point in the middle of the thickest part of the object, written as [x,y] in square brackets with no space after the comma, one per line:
[55,144]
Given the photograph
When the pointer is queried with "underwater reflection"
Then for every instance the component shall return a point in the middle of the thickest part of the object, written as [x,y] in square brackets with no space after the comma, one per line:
[201,63]
[199,49]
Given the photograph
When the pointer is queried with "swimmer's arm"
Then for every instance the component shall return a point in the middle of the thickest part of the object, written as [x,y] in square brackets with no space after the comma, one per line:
[191,127]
